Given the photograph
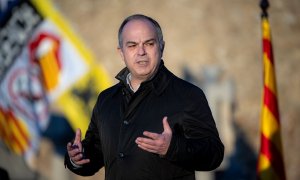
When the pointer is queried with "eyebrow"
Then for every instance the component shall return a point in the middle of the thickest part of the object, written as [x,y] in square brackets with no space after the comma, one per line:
[131,42]
[147,41]
[150,40]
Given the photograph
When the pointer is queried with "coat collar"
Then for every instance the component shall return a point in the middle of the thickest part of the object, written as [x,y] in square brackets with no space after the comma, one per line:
[159,82]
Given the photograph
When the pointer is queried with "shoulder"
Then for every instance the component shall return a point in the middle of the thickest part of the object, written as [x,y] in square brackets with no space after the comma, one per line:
[178,83]
[185,87]
[105,97]
[179,87]
[109,93]
[192,96]
[111,90]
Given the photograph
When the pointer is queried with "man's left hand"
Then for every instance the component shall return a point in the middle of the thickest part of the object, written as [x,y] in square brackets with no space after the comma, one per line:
[154,142]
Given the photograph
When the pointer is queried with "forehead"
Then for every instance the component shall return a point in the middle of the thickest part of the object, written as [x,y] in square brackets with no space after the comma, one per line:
[139,27]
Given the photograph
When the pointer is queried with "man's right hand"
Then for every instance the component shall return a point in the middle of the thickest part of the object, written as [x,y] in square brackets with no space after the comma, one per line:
[75,150]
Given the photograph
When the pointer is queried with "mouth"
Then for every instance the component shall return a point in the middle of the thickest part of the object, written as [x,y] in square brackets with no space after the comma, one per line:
[142,62]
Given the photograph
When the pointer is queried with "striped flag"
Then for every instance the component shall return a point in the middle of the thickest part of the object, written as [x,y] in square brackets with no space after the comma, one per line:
[14,132]
[270,161]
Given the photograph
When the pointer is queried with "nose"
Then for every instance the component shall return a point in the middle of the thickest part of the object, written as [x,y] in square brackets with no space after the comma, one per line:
[141,50]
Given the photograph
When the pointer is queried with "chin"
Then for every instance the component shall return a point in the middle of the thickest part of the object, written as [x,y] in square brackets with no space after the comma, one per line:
[143,74]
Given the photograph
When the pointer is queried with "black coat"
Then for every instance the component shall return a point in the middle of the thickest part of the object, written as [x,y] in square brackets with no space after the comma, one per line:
[120,116]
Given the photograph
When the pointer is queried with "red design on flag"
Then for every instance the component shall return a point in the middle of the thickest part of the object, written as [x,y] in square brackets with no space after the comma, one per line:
[270,164]
[44,51]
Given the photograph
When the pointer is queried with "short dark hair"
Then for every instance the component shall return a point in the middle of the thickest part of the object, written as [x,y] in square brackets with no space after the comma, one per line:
[142,17]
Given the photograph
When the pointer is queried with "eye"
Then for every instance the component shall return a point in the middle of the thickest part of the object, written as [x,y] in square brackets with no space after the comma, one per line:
[131,45]
[149,43]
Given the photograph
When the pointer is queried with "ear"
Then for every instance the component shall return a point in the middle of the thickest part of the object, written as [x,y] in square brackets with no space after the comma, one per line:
[162,48]
[121,53]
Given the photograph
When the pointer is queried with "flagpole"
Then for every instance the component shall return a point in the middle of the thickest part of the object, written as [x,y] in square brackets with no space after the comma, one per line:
[264,5]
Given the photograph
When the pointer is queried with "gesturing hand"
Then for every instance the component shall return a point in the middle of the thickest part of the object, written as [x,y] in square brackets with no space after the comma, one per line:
[154,142]
[75,150]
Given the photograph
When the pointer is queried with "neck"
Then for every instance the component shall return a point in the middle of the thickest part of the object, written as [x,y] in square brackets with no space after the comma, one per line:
[135,84]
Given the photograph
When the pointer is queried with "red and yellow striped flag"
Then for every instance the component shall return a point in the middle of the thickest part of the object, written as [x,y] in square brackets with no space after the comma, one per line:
[270,161]
[14,132]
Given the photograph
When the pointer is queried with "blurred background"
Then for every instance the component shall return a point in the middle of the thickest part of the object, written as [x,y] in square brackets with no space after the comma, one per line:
[216,45]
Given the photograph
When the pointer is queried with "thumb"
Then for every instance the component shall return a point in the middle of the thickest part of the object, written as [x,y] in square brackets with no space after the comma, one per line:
[167,128]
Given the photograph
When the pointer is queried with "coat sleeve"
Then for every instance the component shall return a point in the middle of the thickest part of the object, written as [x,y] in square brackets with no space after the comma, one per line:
[92,149]
[195,143]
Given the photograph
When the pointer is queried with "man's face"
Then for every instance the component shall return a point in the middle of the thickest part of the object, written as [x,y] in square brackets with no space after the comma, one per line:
[140,50]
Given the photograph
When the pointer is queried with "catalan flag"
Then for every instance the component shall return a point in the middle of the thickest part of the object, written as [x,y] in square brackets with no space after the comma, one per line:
[14,131]
[270,161]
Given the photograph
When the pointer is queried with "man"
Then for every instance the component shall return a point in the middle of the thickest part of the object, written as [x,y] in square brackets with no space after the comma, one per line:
[4,174]
[151,125]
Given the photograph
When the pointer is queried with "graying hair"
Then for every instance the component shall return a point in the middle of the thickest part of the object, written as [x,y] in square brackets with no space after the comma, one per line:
[142,17]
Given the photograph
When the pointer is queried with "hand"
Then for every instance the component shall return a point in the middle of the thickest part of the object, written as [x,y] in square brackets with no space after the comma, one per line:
[75,150]
[154,142]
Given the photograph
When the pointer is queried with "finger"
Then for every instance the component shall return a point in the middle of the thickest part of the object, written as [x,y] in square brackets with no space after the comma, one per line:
[146,141]
[77,141]
[69,146]
[158,149]
[83,161]
[151,135]
[77,136]
[148,146]
[77,157]
[73,152]
[167,128]
[147,149]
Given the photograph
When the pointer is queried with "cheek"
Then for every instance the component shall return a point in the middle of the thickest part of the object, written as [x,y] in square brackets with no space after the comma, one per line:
[129,54]
[129,58]
[157,55]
